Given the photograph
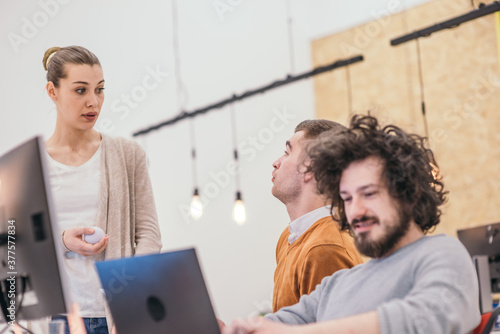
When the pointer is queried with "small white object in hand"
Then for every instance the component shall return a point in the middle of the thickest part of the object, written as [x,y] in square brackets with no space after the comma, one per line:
[94,237]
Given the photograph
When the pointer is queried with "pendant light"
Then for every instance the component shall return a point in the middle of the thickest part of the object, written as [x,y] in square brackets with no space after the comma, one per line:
[239,211]
[196,208]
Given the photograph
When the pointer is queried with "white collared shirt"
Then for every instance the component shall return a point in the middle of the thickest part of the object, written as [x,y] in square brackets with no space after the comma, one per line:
[301,224]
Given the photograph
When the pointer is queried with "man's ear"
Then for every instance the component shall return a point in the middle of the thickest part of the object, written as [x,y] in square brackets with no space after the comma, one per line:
[308,174]
[51,90]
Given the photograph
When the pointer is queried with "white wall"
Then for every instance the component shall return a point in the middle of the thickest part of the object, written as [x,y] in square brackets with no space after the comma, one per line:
[221,54]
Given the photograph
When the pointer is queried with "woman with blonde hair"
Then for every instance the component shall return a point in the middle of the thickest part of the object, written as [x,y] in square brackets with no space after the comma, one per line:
[97,181]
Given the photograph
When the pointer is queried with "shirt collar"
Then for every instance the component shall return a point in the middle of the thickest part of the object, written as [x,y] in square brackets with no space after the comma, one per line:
[301,224]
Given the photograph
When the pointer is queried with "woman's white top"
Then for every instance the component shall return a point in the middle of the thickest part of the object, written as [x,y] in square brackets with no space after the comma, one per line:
[75,190]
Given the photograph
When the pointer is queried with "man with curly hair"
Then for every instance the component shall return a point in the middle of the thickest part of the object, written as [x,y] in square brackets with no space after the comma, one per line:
[380,180]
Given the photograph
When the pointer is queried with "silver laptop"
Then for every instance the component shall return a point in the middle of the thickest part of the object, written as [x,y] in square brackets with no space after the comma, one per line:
[158,293]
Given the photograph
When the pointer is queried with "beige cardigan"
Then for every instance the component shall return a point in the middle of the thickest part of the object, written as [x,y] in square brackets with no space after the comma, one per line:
[127,211]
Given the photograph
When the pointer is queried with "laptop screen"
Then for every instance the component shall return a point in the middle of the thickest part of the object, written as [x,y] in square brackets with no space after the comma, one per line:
[158,293]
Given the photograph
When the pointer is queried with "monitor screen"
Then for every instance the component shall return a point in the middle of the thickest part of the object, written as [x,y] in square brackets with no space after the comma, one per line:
[485,240]
[481,240]
[30,260]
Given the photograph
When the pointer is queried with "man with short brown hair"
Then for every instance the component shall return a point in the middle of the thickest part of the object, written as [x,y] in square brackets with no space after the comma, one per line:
[312,246]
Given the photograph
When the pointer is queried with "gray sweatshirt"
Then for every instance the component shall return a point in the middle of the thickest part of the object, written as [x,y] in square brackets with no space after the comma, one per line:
[429,286]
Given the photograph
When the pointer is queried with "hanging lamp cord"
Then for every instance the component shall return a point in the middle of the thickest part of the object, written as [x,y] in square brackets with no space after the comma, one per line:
[182,95]
[421,81]
[235,146]
[181,91]
[193,155]
[289,22]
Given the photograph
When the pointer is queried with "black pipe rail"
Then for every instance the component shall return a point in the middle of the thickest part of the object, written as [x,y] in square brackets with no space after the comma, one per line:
[483,10]
[289,79]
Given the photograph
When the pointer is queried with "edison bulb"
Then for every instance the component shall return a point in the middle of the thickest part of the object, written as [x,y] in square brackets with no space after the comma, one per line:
[239,212]
[196,208]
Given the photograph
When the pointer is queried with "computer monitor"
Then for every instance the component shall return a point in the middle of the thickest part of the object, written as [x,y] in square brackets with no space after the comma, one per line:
[483,244]
[30,260]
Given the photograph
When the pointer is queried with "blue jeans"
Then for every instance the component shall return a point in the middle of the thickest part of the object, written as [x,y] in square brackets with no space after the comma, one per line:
[92,325]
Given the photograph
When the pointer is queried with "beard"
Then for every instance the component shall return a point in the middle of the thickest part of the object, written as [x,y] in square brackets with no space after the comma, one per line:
[391,236]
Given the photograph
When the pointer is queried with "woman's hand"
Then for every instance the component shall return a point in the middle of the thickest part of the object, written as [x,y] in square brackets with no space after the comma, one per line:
[72,239]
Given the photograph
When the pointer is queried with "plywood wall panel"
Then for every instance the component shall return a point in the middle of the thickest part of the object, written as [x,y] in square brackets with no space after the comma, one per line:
[461,88]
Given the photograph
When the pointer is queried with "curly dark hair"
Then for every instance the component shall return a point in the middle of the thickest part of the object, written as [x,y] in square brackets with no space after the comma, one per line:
[408,167]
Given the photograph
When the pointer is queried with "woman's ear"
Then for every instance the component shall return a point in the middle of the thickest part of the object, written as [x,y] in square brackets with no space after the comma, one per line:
[51,90]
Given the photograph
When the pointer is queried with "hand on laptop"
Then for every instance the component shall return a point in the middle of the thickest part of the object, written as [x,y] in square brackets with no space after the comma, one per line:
[72,239]
[221,324]
[259,326]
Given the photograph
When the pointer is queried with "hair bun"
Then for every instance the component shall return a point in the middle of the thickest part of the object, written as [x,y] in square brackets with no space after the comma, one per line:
[48,56]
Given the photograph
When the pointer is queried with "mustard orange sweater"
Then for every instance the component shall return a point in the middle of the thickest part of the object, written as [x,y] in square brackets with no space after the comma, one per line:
[320,251]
